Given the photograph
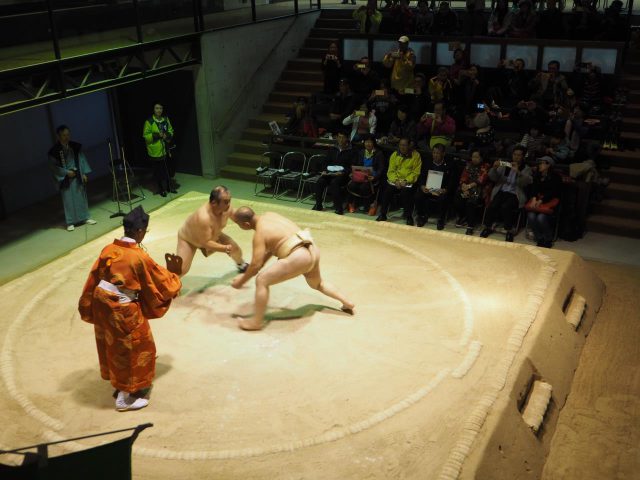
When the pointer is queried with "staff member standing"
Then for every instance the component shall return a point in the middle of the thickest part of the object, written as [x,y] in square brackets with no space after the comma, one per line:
[158,135]
[70,168]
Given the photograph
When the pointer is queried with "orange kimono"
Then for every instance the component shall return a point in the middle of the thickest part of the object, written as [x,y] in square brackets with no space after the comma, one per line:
[126,350]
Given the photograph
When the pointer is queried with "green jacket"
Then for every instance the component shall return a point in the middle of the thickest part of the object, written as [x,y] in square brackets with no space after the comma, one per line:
[156,147]
[401,168]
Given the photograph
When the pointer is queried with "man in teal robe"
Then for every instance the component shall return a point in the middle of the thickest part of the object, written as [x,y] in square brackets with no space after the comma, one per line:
[70,169]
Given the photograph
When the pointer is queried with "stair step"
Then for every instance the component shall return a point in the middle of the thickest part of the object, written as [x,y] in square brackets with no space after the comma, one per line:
[239,173]
[632,109]
[328,33]
[623,175]
[314,75]
[276,107]
[617,208]
[247,160]
[306,52]
[630,81]
[343,23]
[319,42]
[253,147]
[255,134]
[304,64]
[336,13]
[614,225]
[632,68]
[633,96]
[299,86]
[623,191]
[287,96]
[631,124]
[262,120]
[625,159]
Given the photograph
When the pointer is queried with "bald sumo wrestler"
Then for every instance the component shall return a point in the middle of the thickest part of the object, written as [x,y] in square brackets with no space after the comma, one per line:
[297,255]
[203,230]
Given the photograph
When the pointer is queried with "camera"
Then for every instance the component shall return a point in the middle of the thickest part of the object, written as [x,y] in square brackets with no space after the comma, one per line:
[361,66]
[480,106]
[504,163]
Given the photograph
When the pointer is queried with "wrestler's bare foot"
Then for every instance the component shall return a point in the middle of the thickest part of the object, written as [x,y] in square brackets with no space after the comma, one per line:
[250,324]
[348,307]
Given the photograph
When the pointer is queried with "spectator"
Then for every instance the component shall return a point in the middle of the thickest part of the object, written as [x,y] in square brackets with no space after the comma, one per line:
[613,27]
[364,79]
[558,148]
[418,102]
[460,62]
[402,127]
[514,86]
[424,19]
[335,174]
[440,87]
[401,62]
[363,123]
[552,23]
[507,196]
[485,135]
[438,127]
[445,21]
[500,19]
[585,20]
[301,122]
[343,104]
[403,172]
[549,88]
[368,18]
[331,68]
[402,18]
[524,21]
[470,197]
[365,189]
[527,113]
[431,201]
[535,142]
[591,89]
[384,103]
[542,205]
[469,91]
[473,22]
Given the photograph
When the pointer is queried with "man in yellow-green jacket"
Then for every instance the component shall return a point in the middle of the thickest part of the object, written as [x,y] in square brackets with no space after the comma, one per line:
[404,170]
[158,135]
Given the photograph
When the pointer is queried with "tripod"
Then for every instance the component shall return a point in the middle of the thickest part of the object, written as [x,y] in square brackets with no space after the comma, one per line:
[128,178]
[116,192]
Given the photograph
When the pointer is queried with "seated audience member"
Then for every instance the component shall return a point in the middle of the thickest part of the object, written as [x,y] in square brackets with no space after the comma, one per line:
[613,26]
[470,198]
[401,61]
[527,113]
[434,200]
[507,196]
[552,24]
[402,17]
[301,121]
[417,102]
[485,135]
[436,127]
[440,87]
[343,104]
[500,19]
[423,18]
[402,174]
[460,63]
[364,80]
[514,83]
[331,68]
[543,204]
[368,18]
[558,148]
[549,88]
[402,127]
[335,174]
[575,129]
[591,90]
[584,21]
[384,101]
[363,123]
[445,21]
[473,21]
[363,187]
[534,142]
[469,92]
[524,21]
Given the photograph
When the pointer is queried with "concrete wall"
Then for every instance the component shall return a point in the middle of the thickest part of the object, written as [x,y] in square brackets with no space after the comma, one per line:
[253,56]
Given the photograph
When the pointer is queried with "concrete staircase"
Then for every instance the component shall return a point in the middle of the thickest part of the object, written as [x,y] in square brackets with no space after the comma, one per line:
[619,212]
[301,77]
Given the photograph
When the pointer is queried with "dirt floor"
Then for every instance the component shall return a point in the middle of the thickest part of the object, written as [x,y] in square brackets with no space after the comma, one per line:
[383,394]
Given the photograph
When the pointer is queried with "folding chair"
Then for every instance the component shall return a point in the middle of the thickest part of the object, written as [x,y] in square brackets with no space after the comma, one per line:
[267,173]
[293,165]
[311,175]
[104,462]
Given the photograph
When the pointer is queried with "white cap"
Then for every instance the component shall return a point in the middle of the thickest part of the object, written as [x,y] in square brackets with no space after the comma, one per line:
[404,39]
